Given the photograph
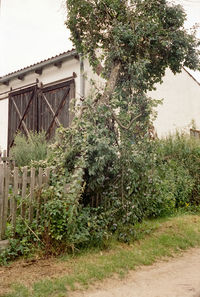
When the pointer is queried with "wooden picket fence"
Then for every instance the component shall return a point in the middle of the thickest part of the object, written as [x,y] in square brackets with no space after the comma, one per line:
[17,194]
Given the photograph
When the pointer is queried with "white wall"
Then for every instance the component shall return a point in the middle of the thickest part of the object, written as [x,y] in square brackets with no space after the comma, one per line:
[3,124]
[181,104]
[50,74]
[181,101]
[90,75]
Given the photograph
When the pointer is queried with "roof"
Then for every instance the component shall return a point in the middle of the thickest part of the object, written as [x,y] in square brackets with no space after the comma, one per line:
[37,66]
[191,76]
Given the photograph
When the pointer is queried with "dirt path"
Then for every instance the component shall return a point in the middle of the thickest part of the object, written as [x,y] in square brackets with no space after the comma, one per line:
[180,277]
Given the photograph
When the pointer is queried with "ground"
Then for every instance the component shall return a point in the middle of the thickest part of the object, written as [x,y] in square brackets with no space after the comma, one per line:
[178,277]
[174,277]
[27,272]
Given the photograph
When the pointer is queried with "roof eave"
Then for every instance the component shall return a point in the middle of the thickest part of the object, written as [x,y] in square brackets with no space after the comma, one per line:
[21,73]
[191,76]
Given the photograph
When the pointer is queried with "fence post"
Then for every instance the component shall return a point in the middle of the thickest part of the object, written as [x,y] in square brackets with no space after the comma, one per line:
[14,199]
[6,192]
[1,198]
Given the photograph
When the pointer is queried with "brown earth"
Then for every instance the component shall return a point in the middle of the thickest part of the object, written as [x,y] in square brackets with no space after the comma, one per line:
[179,277]
[28,272]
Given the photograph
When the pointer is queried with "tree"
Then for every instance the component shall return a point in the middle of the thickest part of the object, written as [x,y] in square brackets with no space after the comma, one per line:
[130,43]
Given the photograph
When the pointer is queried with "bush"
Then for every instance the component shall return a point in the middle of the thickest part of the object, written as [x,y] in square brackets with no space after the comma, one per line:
[26,150]
[154,179]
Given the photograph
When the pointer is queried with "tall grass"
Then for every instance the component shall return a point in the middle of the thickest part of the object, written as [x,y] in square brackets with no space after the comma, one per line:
[29,149]
[182,153]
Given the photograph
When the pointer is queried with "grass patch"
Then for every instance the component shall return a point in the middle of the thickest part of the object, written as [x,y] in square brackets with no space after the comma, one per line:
[156,239]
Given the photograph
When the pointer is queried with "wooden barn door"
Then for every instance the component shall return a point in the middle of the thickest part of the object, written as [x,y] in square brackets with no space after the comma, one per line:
[39,109]
[22,113]
[53,107]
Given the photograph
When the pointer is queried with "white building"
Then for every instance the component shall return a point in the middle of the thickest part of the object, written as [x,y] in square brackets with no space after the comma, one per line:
[181,103]
[38,97]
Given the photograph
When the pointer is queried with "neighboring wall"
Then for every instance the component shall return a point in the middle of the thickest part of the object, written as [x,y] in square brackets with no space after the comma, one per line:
[181,104]
[3,123]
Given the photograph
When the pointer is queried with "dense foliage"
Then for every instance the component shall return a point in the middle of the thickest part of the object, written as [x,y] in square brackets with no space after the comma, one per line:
[161,178]
[131,43]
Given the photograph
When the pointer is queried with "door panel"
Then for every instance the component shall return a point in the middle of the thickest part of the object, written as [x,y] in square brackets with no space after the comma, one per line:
[22,113]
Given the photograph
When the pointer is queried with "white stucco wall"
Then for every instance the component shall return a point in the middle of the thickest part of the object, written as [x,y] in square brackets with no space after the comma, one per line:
[90,75]
[3,124]
[181,103]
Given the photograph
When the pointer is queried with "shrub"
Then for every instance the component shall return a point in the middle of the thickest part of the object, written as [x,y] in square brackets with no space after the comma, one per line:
[26,150]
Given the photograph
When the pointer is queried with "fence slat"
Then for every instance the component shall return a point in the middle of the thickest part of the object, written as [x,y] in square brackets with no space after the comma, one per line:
[38,198]
[47,173]
[1,197]
[14,198]
[32,186]
[24,192]
[6,192]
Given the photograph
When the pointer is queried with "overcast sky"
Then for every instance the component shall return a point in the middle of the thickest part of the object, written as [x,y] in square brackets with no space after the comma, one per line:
[33,30]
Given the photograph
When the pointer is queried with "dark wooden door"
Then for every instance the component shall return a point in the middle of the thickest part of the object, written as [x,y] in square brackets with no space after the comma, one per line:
[22,113]
[53,107]
[39,109]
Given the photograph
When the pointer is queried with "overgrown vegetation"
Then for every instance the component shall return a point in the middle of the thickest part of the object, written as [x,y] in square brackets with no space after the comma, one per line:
[163,177]
[108,172]
[26,150]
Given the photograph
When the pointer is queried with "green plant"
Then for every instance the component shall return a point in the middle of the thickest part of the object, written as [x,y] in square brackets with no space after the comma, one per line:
[106,158]
[184,154]
[29,149]
[23,243]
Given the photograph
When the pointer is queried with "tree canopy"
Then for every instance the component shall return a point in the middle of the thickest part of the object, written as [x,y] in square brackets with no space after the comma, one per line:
[143,36]
[131,43]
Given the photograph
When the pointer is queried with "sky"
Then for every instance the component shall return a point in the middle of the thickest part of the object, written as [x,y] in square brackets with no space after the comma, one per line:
[33,30]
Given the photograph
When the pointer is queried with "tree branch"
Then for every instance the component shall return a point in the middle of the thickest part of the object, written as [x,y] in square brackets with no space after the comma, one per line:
[111,83]
[99,69]
[121,125]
